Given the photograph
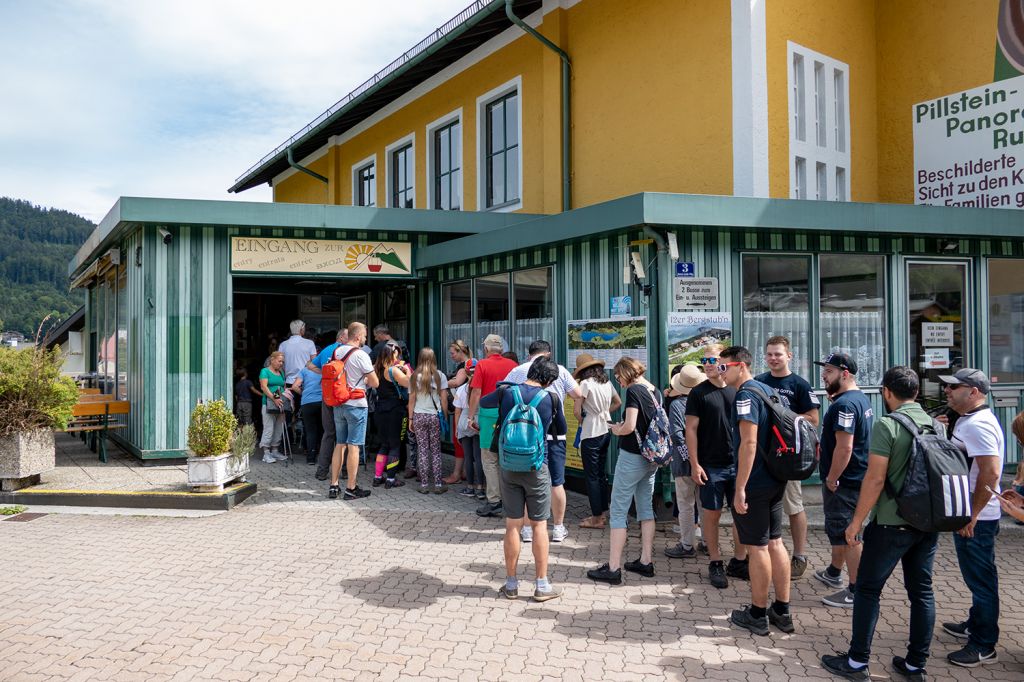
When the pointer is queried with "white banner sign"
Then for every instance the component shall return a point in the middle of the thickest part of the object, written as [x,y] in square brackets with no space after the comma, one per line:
[696,292]
[937,334]
[969,147]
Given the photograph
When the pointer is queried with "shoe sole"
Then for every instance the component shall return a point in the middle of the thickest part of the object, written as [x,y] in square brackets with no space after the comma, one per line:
[545,597]
[749,628]
[958,635]
[981,662]
[836,604]
[788,629]
[506,595]
[849,676]
[642,573]
[836,585]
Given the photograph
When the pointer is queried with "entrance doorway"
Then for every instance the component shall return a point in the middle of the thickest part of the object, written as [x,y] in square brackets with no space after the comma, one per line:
[937,304]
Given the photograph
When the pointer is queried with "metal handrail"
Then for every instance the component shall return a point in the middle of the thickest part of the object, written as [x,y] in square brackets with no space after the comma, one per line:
[436,35]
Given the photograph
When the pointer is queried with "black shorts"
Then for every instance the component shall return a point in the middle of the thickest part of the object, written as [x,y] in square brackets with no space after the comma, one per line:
[839,507]
[763,520]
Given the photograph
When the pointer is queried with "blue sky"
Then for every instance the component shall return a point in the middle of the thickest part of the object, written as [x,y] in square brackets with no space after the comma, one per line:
[176,98]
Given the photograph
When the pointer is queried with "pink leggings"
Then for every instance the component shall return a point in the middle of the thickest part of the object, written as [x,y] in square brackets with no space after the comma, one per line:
[428,444]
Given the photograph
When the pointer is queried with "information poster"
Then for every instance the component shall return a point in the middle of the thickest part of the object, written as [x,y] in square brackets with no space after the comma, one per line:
[607,339]
[573,458]
[937,334]
[690,333]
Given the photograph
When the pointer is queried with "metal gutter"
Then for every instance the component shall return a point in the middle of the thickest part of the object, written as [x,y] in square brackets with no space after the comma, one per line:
[303,169]
[453,28]
[566,103]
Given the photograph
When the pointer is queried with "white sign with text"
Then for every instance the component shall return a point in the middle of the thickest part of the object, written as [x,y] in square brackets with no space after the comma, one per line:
[696,293]
[937,334]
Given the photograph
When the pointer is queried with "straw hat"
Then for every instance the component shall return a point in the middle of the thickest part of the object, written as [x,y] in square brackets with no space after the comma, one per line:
[687,377]
[584,360]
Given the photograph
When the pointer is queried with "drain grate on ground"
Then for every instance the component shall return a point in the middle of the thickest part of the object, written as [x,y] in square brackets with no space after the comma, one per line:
[25,516]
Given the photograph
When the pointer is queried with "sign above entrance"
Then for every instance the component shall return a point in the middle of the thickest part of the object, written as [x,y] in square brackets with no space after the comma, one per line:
[283,255]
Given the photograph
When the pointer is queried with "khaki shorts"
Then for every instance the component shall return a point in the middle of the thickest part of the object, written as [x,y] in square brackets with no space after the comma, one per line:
[793,500]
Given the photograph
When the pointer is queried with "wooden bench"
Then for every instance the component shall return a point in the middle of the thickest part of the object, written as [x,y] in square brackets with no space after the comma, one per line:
[91,418]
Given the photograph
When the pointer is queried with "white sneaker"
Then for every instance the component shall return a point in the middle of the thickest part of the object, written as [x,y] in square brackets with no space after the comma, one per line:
[268,459]
[278,456]
[526,534]
[559,533]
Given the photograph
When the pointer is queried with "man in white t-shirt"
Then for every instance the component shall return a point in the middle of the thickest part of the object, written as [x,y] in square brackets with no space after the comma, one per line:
[350,417]
[978,433]
[564,385]
[298,350]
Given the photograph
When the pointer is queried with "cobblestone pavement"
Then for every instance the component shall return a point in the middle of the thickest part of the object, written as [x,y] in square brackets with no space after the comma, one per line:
[291,585]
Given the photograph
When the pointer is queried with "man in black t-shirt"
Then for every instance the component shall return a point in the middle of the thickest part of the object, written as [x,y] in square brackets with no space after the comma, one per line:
[800,398]
[709,442]
[757,506]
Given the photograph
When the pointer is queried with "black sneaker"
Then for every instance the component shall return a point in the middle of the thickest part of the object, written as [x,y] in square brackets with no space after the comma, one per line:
[839,664]
[393,483]
[678,551]
[378,481]
[783,621]
[332,492]
[958,630]
[899,664]
[321,476]
[603,574]
[738,569]
[489,509]
[971,657]
[716,573]
[508,593]
[743,619]
[356,493]
[646,570]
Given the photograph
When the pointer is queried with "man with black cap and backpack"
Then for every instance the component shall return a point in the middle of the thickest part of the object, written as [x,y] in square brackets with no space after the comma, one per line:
[889,539]
[979,435]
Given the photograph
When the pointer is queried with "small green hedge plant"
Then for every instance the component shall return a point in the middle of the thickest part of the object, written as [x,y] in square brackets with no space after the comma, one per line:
[33,393]
[211,429]
[244,442]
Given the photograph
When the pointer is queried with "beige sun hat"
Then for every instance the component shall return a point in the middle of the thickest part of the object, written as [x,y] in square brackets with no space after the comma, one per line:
[687,377]
[584,360]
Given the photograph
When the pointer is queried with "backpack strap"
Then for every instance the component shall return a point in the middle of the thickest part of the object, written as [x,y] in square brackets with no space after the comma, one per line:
[541,394]
[756,390]
[912,428]
[351,350]
[516,394]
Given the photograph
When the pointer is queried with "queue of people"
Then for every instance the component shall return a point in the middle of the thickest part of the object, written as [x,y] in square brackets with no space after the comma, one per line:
[718,430]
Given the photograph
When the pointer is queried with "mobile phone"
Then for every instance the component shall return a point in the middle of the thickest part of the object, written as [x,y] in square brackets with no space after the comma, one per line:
[989,488]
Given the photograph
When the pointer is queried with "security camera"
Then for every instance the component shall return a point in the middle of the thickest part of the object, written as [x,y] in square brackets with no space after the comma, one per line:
[166,235]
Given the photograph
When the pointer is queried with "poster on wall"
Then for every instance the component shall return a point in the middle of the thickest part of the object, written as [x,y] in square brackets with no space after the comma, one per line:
[573,457]
[607,339]
[967,147]
[690,333]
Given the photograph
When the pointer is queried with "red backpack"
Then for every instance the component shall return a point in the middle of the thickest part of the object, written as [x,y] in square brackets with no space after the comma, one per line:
[334,382]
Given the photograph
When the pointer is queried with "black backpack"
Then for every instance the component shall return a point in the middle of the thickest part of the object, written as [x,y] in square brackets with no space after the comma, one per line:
[795,452]
[935,495]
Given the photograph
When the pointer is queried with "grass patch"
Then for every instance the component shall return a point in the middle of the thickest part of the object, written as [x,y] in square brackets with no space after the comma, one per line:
[11,511]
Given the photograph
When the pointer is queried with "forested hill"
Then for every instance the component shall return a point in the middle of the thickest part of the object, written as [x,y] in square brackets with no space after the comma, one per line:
[36,245]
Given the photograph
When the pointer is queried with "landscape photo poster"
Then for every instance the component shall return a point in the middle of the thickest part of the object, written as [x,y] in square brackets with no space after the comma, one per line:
[607,339]
[690,333]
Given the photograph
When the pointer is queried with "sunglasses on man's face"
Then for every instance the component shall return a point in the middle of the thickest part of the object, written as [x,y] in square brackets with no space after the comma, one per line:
[709,361]
[723,367]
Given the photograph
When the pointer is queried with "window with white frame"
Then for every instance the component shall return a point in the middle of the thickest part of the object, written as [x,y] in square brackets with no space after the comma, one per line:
[401,173]
[499,133]
[364,184]
[446,166]
[819,132]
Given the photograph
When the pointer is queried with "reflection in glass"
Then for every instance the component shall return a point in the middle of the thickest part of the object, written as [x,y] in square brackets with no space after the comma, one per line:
[775,301]
[534,317]
[1006,319]
[852,307]
[492,309]
[935,293]
[456,317]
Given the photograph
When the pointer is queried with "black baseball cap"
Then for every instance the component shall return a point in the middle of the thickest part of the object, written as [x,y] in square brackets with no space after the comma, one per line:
[967,376]
[840,360]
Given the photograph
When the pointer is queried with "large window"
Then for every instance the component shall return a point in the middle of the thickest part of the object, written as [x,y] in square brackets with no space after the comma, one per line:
[776,295]
[402,177]
[1006,320]
[819,137]
[447,155]
[366,185]
[852,312]
[501,151]
[496,304]
[936,305]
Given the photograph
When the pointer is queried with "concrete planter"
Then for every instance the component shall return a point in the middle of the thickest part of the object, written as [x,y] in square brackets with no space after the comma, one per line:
[24,456]
[210,474]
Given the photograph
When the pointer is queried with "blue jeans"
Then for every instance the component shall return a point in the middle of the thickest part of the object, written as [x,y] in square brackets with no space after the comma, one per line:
[594,453]
[884,547]
[977,558]
[350,425]
[634,479]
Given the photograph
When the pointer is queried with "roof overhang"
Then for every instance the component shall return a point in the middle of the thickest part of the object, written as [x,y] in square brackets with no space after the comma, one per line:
[683,210]
[131,213]
[465,32]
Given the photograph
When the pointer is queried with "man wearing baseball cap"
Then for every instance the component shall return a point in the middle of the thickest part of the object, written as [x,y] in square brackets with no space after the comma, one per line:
[978,433]
[845,435]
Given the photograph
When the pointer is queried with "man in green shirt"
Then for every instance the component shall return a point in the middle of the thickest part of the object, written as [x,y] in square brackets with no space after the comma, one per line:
[889,540]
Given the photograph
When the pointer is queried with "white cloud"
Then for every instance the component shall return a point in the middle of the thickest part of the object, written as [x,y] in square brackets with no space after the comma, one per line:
[177,98]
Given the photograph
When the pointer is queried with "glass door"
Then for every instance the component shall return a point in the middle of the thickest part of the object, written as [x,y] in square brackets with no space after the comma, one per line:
[937,295]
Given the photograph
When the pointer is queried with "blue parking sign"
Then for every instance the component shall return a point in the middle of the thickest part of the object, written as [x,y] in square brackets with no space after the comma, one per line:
[685,269]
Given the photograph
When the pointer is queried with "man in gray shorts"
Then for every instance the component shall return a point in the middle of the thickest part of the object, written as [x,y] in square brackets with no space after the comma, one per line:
[528,490]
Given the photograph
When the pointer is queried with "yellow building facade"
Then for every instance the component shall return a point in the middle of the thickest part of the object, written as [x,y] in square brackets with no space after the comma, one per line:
[685,96]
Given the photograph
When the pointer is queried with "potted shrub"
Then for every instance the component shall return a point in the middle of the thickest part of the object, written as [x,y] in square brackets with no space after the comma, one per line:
[34,400]
[216,447]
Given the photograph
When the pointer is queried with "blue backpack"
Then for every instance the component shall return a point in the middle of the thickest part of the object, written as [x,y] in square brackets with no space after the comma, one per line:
[521,439]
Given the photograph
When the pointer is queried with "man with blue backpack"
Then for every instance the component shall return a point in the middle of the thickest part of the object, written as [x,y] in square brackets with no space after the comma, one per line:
[526,412]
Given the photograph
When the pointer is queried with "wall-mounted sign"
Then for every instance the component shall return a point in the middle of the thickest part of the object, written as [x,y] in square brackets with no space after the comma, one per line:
[967,147]
[696,293]
[320,256]
[686,269]
[937,334]
[621,306]
[690,333]
[936,358]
